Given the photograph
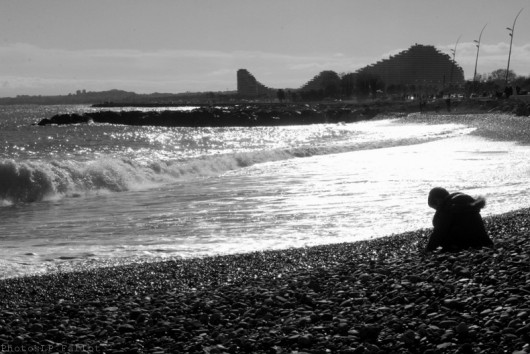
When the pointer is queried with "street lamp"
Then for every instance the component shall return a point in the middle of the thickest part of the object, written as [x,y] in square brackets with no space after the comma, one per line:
[478,49]
[511,40]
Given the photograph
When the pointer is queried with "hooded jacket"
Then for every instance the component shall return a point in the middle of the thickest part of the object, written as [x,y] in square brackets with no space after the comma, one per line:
[458,224]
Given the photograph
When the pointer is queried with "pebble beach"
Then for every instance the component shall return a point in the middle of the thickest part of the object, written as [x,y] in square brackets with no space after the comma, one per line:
[383,295]
[377,296]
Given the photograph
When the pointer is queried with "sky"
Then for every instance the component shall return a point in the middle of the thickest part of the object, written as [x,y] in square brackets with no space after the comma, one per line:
[50,47]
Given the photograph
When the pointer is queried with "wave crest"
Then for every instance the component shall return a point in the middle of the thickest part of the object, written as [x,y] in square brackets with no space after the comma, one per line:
[30,181]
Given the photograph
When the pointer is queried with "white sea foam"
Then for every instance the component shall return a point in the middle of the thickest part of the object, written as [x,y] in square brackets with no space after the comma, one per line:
[43,179]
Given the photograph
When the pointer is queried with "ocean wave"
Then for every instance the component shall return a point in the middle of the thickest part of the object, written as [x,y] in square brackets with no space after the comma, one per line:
[37,180]
[30,181]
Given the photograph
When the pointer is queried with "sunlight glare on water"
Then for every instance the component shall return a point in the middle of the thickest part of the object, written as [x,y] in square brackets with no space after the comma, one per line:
[372,193]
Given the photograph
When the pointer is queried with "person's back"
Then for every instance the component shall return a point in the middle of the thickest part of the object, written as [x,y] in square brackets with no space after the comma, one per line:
[457,222]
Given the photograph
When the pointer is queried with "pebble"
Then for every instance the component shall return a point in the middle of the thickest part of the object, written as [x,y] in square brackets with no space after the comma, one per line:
[376,296]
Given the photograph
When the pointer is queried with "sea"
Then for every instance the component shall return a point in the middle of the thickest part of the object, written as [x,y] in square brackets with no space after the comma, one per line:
[94,195]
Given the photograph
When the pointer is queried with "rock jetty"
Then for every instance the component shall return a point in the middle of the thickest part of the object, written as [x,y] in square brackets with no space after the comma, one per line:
[376,296]
[246,116]
[262,114]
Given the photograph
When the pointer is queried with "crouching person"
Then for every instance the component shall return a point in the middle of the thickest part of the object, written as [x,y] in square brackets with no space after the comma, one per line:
[457,222]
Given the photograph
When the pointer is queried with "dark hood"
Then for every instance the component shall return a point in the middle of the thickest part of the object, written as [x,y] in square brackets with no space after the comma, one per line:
[462,203]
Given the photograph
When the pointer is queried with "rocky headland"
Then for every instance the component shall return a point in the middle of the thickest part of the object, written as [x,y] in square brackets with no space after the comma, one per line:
[377,296]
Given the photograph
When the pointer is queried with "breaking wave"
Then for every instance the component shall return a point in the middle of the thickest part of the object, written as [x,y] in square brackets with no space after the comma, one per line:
[36,180]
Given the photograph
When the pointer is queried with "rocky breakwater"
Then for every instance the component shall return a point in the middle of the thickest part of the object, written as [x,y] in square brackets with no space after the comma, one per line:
[517,106]
[378,296]
[221,116]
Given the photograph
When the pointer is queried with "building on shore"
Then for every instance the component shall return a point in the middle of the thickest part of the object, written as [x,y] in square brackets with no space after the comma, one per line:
[327,81]
[248,86]
[421,68]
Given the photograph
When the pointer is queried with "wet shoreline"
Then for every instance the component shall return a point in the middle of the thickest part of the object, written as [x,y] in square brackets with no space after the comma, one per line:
[375,296]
